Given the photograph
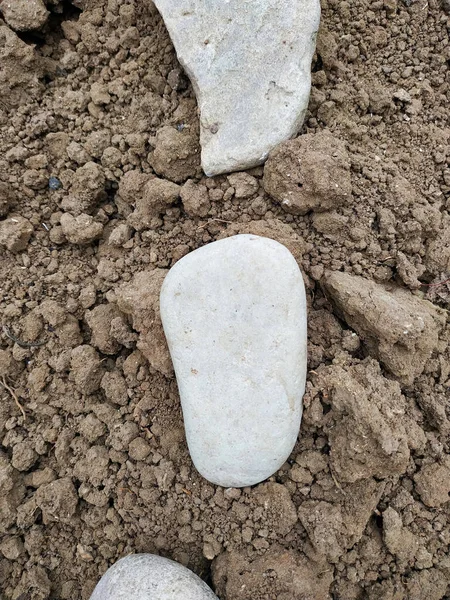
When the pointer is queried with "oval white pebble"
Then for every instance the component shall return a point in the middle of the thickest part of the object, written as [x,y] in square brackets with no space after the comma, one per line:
[150,577]
[234,314]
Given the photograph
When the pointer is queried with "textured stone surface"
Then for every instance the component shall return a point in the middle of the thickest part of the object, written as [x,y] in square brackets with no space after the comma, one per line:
[150,577]
[249,63]
[234,314]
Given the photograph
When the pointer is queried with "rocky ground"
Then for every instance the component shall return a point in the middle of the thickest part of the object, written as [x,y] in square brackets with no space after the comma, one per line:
[101,192]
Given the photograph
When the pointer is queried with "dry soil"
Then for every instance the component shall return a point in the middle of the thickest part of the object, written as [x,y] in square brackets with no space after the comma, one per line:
[93,460]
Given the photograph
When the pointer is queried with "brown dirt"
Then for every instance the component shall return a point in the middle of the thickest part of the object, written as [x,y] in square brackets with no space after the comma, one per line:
[99,468]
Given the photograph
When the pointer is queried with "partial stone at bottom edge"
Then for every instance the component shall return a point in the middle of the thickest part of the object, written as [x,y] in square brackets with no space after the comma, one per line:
[150,577]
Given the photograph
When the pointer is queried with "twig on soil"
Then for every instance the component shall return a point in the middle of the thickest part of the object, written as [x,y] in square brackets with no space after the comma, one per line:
[436,284]
[334,478]
[14,395]
[7,332]
[211,220]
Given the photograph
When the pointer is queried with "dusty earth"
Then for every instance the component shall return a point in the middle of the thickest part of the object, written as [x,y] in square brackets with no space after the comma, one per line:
[101,192]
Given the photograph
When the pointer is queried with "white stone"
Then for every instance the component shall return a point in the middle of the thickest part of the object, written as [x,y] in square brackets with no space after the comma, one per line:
[150,577]
[234,314]
[250,64]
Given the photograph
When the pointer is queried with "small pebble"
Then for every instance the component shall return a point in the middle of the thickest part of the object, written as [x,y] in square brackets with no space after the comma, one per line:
[54,183]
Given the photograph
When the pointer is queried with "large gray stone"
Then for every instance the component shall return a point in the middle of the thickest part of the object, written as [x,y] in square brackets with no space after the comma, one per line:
[249,63]
[234,315]
[150,577]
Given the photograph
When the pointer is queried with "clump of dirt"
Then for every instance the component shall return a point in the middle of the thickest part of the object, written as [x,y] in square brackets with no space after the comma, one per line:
[101,192]
[311,172]
[400,329]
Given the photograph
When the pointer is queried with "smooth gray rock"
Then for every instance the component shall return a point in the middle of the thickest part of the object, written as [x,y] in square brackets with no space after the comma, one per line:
[249,62]
[150,577]
[234,314]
